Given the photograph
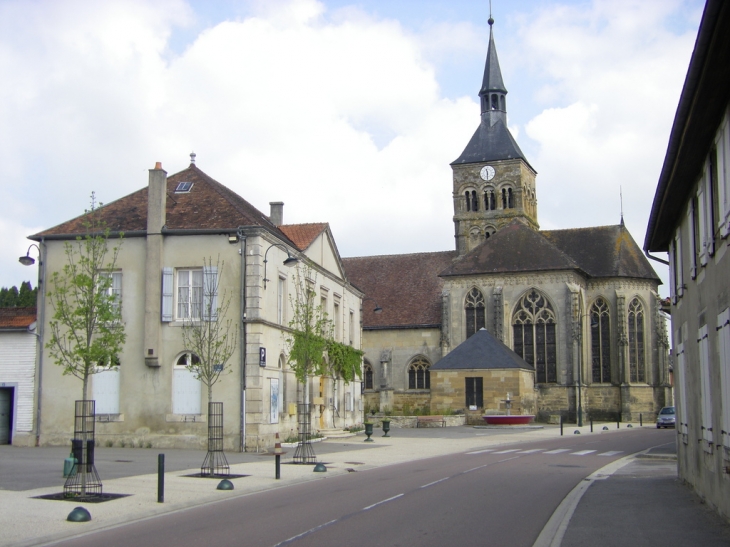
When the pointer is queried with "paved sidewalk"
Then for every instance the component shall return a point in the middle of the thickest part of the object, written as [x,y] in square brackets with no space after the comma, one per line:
[25,473]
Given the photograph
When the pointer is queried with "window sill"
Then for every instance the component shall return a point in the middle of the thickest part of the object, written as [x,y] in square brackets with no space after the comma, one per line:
[106,418]
[186,418]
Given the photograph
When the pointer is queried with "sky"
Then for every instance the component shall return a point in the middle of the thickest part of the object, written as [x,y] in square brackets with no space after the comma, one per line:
[349,112]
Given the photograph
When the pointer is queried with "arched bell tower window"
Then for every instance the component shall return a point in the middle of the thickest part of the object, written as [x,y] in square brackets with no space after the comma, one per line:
[489,201]
[475,311]
[495,101]
[508,198]
[472,202]
[600,342]
[637,365]
[368,370]
[419,375]
[533,325]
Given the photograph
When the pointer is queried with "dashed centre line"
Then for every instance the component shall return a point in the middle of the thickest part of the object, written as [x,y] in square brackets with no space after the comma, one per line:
[435,482]
[381,502]
[482,451]
[611,453]
[531,451]
[558,451]
[507,451]
[582,453]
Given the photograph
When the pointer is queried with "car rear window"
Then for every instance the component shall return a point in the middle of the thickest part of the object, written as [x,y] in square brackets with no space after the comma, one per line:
[667,410]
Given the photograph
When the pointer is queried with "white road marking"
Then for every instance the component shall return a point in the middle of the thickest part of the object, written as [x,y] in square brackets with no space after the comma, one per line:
[381,502]
[482,451]
[311,530]
[531,451]
[474,468]
[435,482]
[558,451]
[507,451]
[611,453]
[508,459]
[582,453]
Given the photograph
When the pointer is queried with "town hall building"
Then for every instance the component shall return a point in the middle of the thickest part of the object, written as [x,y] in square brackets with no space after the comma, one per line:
[579,307]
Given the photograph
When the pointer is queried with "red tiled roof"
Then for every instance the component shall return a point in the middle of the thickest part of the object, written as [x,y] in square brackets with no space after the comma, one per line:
[303,235]
[208,205]
[407,287]
[17,318]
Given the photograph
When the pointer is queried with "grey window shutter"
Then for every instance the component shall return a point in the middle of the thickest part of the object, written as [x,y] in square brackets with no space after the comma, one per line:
[210,293]
[167,294]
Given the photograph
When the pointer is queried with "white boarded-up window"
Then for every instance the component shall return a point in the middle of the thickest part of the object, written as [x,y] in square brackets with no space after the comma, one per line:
[186,389]
[706,402]
[723,341]
[105,388]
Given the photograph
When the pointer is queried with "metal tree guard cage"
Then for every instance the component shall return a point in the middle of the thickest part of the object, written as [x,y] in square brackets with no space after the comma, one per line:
[304,452]
[215,463]
[83,481]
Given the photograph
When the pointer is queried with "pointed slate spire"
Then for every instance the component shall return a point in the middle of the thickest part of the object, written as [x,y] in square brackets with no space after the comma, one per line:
[492,139]
[493,93]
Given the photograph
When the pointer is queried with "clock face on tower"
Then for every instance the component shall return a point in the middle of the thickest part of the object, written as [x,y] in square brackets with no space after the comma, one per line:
[487,172]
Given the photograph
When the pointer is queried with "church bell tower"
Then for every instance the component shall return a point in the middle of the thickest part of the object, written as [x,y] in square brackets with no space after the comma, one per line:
[493,182]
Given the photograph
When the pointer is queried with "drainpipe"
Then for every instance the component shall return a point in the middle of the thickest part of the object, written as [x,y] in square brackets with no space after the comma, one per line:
[665,262]
[41,329]
[242,338]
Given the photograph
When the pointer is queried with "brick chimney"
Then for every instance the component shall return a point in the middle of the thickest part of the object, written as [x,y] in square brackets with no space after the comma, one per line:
[277,212]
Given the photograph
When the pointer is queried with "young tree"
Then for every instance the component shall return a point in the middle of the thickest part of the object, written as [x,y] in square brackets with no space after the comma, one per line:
[209,333]
[312,348]
[87,333]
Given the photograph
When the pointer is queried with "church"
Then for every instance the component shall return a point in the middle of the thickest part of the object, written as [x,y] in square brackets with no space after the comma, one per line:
[572,318]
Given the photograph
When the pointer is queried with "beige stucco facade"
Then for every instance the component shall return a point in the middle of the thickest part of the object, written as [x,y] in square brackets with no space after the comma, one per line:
[151,384]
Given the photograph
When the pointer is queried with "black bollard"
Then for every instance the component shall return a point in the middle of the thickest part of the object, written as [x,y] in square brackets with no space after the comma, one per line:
[641,420]
[278,466]
[160,478]
[561,425]
[618,422]
[591,425]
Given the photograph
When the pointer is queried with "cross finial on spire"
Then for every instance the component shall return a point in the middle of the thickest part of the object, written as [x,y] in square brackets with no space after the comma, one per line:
[490,20]
[621,199]
[192,158]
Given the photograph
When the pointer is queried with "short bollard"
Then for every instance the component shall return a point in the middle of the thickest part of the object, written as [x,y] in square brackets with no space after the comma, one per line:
[79,514]
[561,425]
[277,457]
[160,478]
[591,425]
[618,422]
[641,420]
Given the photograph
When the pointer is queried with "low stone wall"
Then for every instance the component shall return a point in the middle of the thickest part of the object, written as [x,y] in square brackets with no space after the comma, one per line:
[402,422]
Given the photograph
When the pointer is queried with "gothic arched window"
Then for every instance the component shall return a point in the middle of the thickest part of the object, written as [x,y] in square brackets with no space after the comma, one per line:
[368,369]
[637,365]
[533,325]
[475,311]
[419,375]
[600,341]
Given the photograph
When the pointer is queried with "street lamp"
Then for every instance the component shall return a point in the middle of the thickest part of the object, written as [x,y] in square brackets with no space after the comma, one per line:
[289,261]
[28,260]
[377,308]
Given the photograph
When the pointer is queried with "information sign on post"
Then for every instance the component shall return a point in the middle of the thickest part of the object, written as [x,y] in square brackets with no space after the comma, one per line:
[262,357]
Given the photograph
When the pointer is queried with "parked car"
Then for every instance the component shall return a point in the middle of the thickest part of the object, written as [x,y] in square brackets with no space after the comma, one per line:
[666,417]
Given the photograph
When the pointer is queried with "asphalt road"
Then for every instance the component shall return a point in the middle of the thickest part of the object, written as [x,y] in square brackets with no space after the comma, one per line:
[500,496]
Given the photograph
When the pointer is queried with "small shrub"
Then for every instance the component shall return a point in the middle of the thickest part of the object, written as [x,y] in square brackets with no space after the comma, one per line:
[292,439]
[123,443]
[407,410]
[109,443]
[148,445]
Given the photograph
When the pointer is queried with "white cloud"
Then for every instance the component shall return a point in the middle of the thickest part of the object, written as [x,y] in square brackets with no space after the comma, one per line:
[339,114]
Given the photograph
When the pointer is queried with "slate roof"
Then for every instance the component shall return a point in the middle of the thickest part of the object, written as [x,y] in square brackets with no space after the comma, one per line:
[407,287]
[303,235]
[17,318]
[514,248]
[481,351]
[491,143]
[602,251]
[209,205]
